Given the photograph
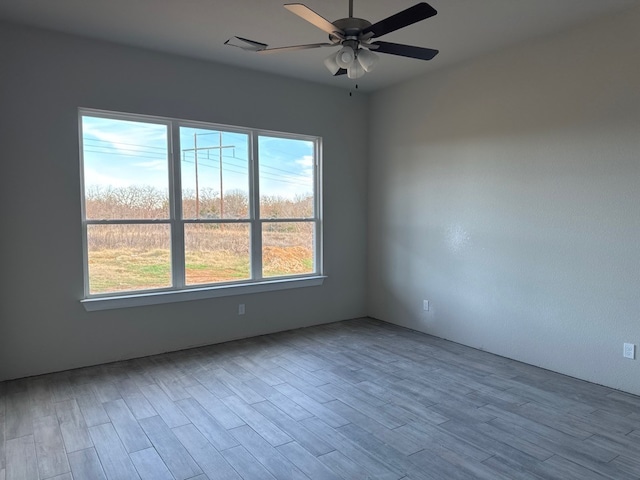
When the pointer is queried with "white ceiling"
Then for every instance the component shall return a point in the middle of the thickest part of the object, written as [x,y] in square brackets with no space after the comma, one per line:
[462,29]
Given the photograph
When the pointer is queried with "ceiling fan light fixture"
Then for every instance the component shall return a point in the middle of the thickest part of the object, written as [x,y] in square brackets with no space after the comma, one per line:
[331,64]
[367,59]
[355,70]
[345,57]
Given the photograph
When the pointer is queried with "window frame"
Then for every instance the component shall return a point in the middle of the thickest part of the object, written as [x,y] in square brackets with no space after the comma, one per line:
[179,289]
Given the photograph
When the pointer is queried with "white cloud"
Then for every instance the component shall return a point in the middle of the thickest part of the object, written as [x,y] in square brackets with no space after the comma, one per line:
[93,177]
[305,161]
[159,165]
[125,137]
[117,140]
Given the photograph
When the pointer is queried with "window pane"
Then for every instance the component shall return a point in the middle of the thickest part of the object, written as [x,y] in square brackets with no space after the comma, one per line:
[286,172]
[287,248]
[216,253]
[215,173]
[128,257]
[126,169]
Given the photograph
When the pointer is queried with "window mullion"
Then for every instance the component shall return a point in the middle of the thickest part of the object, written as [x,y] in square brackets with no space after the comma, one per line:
[177,227]
[254,196]
[318,266]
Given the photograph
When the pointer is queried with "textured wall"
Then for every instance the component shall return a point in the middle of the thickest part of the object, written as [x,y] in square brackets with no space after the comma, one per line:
[507,191]
[44,78]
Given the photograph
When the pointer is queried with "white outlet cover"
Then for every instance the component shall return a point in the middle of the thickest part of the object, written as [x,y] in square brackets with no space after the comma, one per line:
[629,351]
[241,309]
[425,305]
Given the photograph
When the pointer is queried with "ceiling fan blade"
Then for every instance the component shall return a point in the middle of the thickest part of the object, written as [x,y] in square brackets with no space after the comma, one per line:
[405,50]
[342,71]
[411,15]
[296,47]
[246,44]
[312,17]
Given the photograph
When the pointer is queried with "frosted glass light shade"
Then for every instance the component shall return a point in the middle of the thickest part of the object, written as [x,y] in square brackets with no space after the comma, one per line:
[345,57]
[355,70]
[331,64]
[367,59]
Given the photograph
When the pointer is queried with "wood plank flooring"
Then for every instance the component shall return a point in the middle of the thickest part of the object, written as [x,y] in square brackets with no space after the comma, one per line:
[352,400]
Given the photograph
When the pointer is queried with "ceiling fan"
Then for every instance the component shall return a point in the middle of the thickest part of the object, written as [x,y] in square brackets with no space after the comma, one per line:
[354,36]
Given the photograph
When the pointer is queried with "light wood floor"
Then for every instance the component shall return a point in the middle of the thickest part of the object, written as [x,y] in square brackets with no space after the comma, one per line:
[355,400]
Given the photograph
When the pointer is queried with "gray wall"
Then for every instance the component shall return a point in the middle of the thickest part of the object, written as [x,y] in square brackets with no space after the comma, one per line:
[507,192]
[44,78]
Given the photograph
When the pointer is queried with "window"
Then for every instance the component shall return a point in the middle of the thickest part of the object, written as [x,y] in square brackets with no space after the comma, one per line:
[178,206]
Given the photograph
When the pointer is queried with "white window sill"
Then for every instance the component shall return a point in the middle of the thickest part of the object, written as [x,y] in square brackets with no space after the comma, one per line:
[157,298]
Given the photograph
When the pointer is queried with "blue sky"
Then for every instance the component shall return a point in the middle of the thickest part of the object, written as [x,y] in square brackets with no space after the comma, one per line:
[120,153]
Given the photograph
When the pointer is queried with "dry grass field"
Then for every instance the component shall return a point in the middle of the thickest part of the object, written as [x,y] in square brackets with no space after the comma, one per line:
[139,257]
[126,257]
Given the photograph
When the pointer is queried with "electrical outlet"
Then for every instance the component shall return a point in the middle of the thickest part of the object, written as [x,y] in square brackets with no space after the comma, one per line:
[629,351]
[425,305]
[241,309]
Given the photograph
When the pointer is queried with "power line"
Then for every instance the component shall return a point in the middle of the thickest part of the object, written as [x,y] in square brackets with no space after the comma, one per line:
[124,155]
[274,179]
[132,153]
[266,175]
[228,157]
[282,170]
[288,172]
[122,143]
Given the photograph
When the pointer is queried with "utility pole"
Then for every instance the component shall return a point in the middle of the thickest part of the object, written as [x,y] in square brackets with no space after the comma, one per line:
[195,151]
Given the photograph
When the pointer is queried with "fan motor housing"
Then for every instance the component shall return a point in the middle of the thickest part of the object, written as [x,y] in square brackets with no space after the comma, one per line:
[351,26]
